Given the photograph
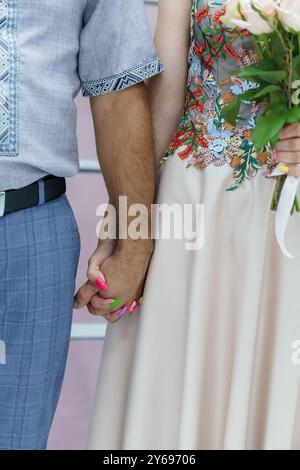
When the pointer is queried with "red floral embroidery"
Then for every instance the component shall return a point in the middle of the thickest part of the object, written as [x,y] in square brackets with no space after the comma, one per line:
[203,142]
[201,14]
[186,153]
[217,16]
[230,51]
[213,41]
[203,136]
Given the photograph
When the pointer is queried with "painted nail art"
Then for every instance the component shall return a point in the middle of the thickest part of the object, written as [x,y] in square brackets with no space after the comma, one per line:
[101,284]
[115,303]
[133,306]
[122,312]
[141,300]
[283,168]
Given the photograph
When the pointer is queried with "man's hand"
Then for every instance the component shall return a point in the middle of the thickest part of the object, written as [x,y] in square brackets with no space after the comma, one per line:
[122,270]
[124,138]
[288,150]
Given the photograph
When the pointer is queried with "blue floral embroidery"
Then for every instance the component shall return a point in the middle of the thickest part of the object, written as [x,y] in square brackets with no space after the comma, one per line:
[123,80]
[203,136]
[9,69]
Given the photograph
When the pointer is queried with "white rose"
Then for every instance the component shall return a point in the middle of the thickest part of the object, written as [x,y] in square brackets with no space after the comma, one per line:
[267,7]
[243,14]
[232,13]
[289,14]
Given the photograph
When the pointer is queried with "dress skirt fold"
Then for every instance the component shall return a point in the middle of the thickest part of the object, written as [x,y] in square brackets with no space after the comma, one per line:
[207,361]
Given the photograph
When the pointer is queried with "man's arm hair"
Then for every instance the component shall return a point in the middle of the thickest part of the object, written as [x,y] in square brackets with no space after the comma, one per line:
[125,146]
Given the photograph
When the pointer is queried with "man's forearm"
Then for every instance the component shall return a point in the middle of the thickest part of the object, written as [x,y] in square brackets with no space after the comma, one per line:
[125,145]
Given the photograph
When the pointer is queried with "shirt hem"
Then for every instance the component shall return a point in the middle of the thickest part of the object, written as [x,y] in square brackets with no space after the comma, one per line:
[123,80]
[22,183]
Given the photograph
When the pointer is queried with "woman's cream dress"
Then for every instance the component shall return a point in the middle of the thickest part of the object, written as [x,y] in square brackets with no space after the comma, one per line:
[212,359]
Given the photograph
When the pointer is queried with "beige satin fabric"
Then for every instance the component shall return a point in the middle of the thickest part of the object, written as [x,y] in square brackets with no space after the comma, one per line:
[206,362]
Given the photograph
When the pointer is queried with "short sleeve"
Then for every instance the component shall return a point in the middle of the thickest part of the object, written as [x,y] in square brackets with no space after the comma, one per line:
[116,47]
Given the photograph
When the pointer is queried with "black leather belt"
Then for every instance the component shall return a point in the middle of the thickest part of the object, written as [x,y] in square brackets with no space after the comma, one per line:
[18,199]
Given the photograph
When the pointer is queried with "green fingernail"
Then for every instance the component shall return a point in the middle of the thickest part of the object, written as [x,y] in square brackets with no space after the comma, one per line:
[115,303]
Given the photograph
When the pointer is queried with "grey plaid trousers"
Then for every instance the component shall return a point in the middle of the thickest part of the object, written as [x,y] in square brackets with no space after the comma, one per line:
[39,251]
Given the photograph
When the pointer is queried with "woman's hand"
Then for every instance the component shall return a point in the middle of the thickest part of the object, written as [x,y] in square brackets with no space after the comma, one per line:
[121,270]
[288,150]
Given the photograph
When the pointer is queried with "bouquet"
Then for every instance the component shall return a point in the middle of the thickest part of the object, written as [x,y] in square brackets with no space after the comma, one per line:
[275,28]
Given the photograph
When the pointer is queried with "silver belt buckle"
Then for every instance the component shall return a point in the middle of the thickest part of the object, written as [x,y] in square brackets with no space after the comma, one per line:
[2,203]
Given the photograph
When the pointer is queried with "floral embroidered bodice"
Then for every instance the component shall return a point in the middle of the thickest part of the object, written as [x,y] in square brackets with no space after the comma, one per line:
[203,136]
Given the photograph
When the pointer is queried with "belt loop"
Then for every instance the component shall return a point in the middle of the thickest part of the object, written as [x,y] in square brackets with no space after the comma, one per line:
[41,192]
[2,203]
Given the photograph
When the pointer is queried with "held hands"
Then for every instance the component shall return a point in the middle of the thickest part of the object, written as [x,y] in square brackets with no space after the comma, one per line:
[116,274]
[287,150]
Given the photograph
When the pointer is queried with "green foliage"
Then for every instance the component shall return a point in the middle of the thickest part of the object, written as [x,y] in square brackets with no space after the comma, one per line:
[277,50]
[296,68]
[248,166]
[231,111]
[293,115]
[263,72]
[268,126]
[266,90]
[275,75]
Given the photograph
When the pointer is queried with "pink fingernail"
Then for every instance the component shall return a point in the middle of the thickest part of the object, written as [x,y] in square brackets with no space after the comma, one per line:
[133,306]
[275,154]
[101,284]
[122,312]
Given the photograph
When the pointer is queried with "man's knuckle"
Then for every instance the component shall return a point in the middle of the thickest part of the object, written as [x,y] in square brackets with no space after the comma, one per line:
[94,303]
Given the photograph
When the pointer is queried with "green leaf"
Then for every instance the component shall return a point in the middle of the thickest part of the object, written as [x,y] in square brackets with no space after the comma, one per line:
[278,97]
[277,49]
[296,68]
[268,125]
[266,90]
[268,76]
[231,111]
[263,65]
[275,138]
[232,188]
[254,69]
[293,115]
[248,95]
[263,71]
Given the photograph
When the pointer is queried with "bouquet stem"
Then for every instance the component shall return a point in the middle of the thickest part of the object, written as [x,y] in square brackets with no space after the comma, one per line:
[277,194]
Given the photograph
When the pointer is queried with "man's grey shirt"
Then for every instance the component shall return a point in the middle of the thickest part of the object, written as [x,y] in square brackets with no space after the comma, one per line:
[49,50]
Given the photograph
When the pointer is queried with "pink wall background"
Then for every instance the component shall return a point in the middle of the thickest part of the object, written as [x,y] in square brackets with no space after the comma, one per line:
[85,192]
